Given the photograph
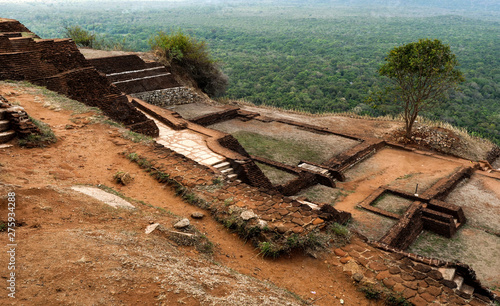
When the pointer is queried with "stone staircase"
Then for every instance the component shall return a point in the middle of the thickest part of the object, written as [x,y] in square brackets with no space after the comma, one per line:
[455,281]
[6,134]
[227,171]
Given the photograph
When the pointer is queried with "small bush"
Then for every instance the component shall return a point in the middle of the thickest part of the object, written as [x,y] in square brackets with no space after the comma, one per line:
[397,300]
[269,249]
[81,37]
[204,245]
[177,48]
[160,176]
[133,157]
[123,178]
[339,234]
[370,292]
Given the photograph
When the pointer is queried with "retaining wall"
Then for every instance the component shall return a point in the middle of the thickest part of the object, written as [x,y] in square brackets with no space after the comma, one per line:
[403,233]
[58,65]
[121,63]
[213,118]
[170,96]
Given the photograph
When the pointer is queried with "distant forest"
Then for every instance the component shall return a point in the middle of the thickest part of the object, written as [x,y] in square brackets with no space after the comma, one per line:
[318,56]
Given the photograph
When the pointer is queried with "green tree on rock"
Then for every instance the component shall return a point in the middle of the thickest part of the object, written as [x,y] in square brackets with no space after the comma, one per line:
[81,37]
[176,49]
[421,74]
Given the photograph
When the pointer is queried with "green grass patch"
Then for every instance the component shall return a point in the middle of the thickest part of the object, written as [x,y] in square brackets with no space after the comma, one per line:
[286,151]
[276,176]
[137,137]
[392,203]
[370,292]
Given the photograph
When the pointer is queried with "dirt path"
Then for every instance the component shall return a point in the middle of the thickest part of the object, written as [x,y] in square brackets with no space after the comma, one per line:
[90,154]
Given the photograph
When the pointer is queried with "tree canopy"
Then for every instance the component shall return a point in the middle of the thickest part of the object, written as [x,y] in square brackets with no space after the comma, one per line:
[421,74]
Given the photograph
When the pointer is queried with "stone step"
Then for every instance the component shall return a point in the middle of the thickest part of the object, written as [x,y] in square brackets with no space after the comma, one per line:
[467,290]
[227,171]
[232,177]
[448,273]
[6,136]
[3,113]
[4,125]
[141,79]
[222,165]
[135,74]
[459,280]
[5,146]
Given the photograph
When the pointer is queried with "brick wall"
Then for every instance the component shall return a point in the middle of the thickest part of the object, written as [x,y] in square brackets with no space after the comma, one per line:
[403,233]
[12,25]
[59,65]
[115,64]
[216,117]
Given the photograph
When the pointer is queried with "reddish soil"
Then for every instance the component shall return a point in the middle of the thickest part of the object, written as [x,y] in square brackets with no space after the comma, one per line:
[75,250]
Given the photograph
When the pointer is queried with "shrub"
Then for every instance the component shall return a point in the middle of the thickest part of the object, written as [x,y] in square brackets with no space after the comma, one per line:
[397,300]
[123,178]
[269,249]
[81,37]
[177,48]
[370,292]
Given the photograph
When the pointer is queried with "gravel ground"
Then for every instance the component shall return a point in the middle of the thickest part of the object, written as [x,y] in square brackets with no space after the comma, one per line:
[472,246]
[480,202]
[372,226]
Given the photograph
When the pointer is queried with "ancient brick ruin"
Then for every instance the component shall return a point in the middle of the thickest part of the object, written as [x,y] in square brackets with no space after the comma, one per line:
[104,83]
[58,65]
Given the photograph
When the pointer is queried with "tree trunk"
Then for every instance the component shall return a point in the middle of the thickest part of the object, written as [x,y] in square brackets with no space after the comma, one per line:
[409,126]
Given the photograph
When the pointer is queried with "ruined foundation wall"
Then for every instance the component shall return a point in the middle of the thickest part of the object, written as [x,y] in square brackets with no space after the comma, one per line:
[305,180]
[170,96]
[493,155]
[439,223]
[403,233]
[59,65]
[213,118]
[61,54]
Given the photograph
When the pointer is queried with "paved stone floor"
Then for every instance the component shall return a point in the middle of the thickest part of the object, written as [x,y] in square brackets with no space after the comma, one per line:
[188,143]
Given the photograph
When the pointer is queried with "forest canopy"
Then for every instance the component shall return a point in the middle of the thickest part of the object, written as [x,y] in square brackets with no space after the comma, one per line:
[317,56]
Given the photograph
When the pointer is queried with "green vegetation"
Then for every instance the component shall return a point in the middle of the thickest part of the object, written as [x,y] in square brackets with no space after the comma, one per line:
[421,74]
[81,37]
[370,292]
[276,176]
[179,49]
[136,137]
[45,138]
[318,56]
[287,151]
[397,300]
[392,203]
